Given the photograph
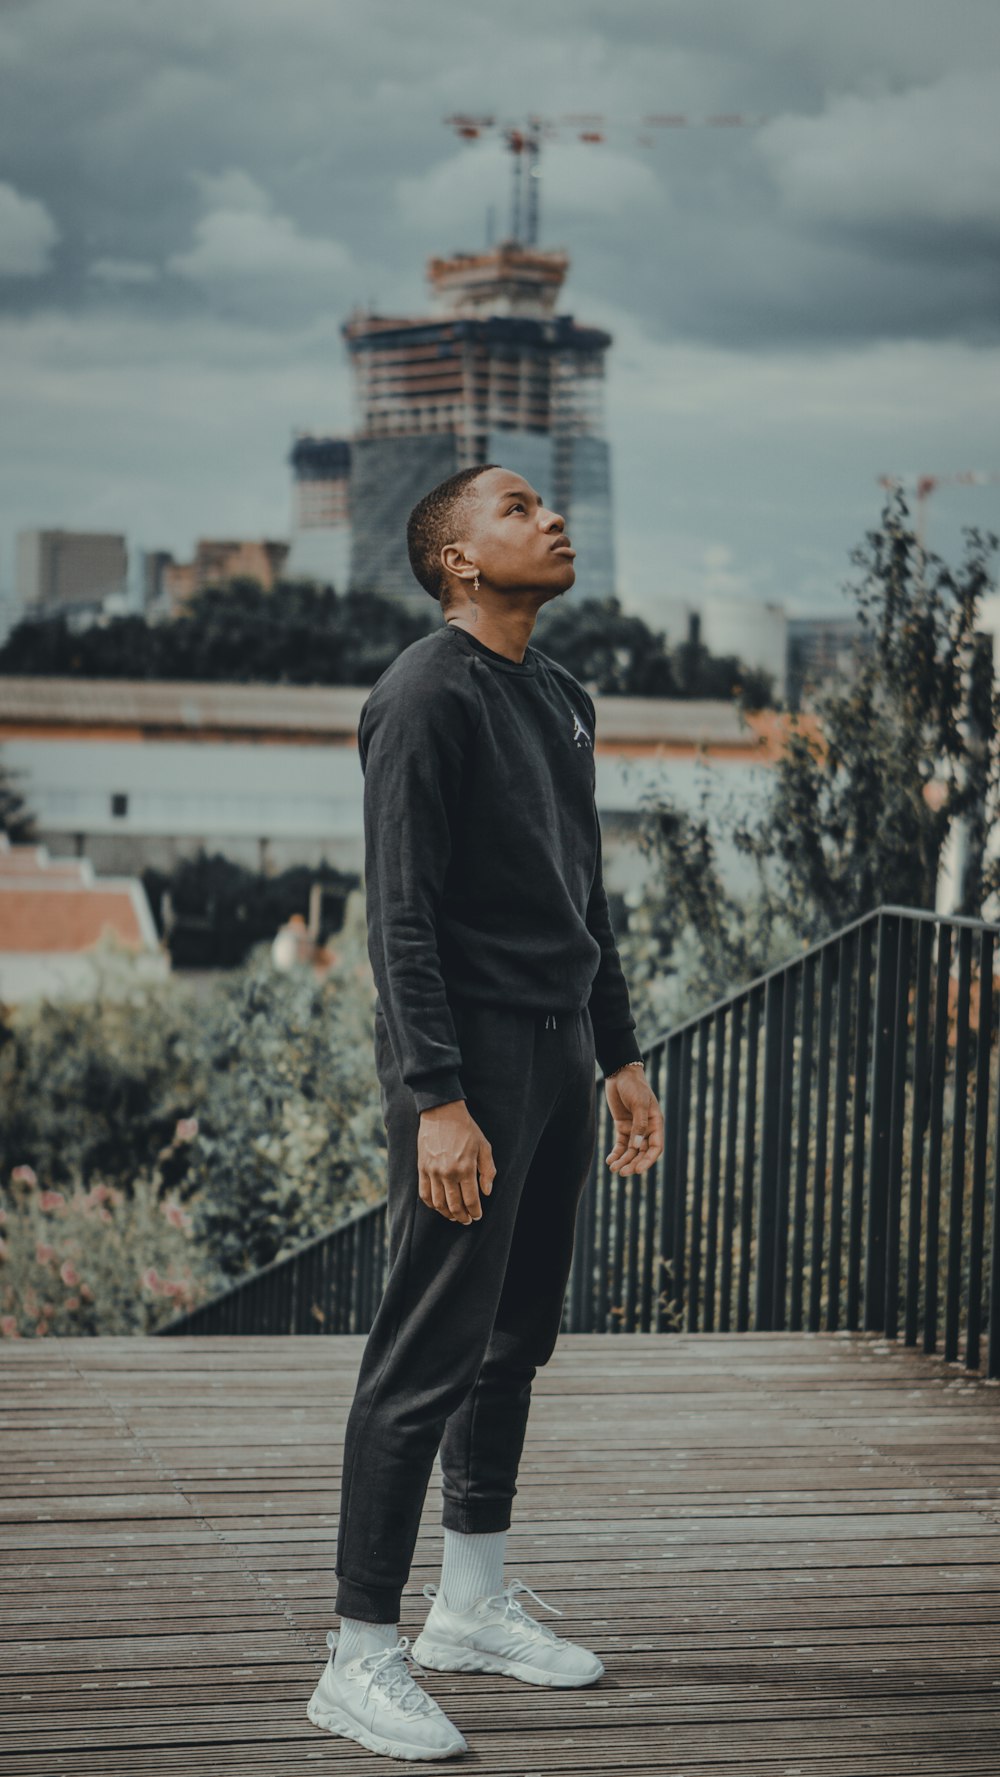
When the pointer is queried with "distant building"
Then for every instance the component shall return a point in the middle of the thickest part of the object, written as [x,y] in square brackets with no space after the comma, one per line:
[130,773]
[216,561]
[69,572]
[55,913]
[494,376]
[820,649]
[321,510]
[154,564]
[752,629]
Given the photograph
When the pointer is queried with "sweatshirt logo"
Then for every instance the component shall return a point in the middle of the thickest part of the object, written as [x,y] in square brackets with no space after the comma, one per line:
[580,736]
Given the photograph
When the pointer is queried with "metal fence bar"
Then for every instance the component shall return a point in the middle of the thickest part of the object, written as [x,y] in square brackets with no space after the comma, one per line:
[897,1107]
[698,1182]
[977,1204]
[936,1137]
[754,1011]
[858,1122]
[729,1172]
[799,1203]
[847,956]
[956,1189]
[714,1165]
[918,1127]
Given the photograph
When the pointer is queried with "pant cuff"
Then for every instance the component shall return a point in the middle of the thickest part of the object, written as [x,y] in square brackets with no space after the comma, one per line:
[476,1517]
[369,1604]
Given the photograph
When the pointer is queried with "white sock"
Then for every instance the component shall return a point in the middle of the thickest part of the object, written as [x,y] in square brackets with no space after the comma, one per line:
[357,1637]
[472,1567]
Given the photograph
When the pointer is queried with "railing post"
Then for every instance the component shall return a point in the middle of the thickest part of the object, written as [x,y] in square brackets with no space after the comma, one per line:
[894,1197]
[767,1194]
[878,1160]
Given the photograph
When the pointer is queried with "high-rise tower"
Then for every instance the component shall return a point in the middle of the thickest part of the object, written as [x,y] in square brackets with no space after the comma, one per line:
[492,375]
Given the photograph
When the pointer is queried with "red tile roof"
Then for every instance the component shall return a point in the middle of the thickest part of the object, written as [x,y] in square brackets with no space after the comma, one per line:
[50,905]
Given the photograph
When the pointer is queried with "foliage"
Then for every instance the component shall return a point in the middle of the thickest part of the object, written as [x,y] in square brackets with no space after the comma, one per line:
[219,909]
[290,1126]
[96,1260]
[617,655]
[298,634]
[93,1088]
[268,1076]
[866,794]
[16,819]
[305,635]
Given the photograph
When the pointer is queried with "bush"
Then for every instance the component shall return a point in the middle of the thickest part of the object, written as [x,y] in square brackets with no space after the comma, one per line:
[253,1107]
[96,1261]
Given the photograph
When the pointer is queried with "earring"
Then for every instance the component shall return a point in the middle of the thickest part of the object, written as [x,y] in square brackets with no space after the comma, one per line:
[475,583]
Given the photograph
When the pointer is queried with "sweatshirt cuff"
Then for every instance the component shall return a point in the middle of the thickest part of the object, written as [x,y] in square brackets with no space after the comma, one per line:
[443,1087]
[615,1048]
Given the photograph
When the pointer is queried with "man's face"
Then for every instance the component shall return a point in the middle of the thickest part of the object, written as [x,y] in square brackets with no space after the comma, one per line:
[518,544]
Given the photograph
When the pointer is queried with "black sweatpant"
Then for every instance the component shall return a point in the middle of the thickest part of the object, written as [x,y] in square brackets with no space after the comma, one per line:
[471,1310]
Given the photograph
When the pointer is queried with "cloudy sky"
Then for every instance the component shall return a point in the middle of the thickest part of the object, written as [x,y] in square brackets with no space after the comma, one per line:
[193,195]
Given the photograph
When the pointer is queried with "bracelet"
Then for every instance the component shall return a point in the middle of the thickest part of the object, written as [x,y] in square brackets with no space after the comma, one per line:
[621,1070]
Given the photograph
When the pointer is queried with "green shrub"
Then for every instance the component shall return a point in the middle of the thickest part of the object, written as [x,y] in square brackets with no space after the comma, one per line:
[252,1104]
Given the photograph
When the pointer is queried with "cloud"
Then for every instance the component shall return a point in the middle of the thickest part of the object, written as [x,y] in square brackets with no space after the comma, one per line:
[593,182]
[243,248]
[123,271]
[27,235]
[929,156]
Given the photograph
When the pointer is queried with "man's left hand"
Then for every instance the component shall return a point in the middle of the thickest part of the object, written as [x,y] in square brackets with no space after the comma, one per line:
[638,1122]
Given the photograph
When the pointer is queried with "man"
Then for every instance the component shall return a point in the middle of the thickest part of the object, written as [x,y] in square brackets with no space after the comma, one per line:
[498,983]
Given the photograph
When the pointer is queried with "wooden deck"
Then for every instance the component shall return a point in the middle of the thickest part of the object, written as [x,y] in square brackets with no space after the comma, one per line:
[785,1547]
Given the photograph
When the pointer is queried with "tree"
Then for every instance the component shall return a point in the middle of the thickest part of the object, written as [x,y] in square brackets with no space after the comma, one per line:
[16,819]
[300,634]
[873,783]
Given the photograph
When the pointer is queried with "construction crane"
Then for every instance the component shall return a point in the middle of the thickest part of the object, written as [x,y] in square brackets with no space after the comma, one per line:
[924,485]
[524,143]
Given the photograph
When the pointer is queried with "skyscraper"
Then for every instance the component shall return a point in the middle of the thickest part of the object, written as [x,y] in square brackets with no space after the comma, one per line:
[321,516]
[492,375]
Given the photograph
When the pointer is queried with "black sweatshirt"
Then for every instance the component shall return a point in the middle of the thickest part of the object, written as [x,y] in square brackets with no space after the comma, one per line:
[483,867]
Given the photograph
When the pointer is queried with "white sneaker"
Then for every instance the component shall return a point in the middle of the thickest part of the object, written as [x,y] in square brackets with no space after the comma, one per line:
[496,1634]
[375,1700]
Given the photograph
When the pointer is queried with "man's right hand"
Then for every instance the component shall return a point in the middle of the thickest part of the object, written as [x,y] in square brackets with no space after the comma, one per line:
[455,1162]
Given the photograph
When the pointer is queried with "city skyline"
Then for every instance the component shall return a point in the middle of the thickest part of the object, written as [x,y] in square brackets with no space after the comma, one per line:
[191,203]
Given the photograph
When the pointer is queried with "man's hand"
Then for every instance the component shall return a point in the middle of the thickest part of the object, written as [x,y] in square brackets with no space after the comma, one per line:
[638,1122]
[455,1162]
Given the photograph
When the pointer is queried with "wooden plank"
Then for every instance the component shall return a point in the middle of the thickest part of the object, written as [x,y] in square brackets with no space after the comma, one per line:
[812,1581]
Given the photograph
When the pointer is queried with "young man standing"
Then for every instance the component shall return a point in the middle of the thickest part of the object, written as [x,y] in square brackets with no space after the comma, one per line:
[498,983]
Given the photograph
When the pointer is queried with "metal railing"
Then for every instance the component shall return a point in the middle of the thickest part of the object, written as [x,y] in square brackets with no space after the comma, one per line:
[832,1161]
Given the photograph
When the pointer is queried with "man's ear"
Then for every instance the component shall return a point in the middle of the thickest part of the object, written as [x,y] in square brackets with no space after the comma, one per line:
[455,561]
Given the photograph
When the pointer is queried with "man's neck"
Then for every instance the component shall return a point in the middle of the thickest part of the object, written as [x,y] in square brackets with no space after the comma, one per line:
[509,637]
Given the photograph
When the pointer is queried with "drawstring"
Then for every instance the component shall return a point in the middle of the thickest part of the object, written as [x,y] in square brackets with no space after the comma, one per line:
[549,1015]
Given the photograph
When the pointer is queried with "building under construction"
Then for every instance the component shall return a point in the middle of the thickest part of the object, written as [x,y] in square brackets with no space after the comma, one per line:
[495,376]
[492,374]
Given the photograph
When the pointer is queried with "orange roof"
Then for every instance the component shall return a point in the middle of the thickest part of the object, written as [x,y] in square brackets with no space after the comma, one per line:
[50,905]
[56,919]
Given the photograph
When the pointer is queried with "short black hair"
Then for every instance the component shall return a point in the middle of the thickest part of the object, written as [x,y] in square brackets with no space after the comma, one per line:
[432,524]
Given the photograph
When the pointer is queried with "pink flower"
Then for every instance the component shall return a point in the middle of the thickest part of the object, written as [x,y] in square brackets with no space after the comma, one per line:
[24,1175]
[176,1216]
[99,1193]
[51,1200]
[86,1292]
[69,1274]
[42,1328]
[72,1302]
[44,1252]
[8,1326]
[105,1214]
[187,1129]
[151,1279]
